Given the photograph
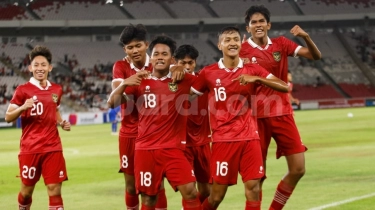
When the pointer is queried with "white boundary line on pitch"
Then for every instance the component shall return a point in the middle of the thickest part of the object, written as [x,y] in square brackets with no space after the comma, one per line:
[343,202]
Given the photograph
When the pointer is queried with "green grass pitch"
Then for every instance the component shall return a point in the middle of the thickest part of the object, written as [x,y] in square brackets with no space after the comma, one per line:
[340,165]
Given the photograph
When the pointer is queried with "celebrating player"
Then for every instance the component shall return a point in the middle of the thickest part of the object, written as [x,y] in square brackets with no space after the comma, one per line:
[235,148]
[274,112]
[37,102]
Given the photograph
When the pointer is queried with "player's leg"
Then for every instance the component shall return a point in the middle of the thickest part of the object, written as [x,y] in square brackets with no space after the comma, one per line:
[181,176]
[265,134]
[161,202]
[225,159]
[202,171]
[289,144]
[252,170]
[148,175]
[30,175]
[25,197]
[217,195]
[126,152]
[54,173]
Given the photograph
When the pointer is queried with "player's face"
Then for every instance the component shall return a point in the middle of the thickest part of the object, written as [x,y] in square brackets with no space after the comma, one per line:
[258,26]
[136,50]
[161,57]
[230,43]
[188,64]
[40,68]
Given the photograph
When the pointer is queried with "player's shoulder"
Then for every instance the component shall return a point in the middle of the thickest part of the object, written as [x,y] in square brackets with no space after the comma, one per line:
[121,64]
[252,67]
[210,67]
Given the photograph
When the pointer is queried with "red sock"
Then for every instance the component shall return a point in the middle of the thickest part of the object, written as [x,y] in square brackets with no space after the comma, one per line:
[144,207]
[24,204]
[131,201]
[207,206]
[56,203]
[282,194]
[252,205]
[260,195]
[194,204]
[161,203]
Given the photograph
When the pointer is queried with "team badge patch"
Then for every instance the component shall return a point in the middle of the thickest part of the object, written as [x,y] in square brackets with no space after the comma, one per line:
[54,97]
[172,86]
[276,56]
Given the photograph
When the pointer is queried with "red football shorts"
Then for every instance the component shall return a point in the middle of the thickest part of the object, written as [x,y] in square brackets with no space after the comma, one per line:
[199,158]
[50,165]
[153,165]
[229,158]
[126,150]
[284,130]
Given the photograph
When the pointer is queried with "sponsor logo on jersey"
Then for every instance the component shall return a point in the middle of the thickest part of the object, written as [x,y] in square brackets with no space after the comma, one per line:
[276,56]
[147,89]
[218,82]
[54,97]
[172,87]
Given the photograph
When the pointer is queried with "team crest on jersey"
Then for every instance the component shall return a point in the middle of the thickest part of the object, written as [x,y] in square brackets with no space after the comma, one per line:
[276,56]
[54,97]
[172,87]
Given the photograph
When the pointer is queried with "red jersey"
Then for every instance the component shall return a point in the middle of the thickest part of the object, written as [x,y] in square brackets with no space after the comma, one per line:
[129,122]
[229,102]
[198,125]
[163,110]
[39,123]
[274,58]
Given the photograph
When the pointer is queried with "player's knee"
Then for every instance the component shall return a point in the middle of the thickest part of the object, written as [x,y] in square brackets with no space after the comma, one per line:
[216,199]
[54,189]
[298,172]
[190,193]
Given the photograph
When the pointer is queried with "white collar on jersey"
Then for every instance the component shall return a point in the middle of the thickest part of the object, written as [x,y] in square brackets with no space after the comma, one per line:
[37,83]
[143,68]
[221,65]
[254,45]
[169,75]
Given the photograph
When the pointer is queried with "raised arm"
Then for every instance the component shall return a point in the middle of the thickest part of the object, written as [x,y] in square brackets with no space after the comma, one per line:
[311,51]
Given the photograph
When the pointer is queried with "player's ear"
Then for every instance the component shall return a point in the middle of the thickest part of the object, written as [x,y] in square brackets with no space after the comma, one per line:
[50,68]
[173,61]
[147,44]
[30,68]
[248,29]
[269,25]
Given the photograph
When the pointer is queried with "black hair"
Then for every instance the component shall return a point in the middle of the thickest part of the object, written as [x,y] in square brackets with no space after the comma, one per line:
[227,30]
[186,50]
[257,9]
[163,40]
[40,51]
[131,32]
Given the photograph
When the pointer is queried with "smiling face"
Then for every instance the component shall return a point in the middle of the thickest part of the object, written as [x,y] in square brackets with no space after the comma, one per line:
[161,57]
[136,50]
[258,26]
[230,43]
[40,67]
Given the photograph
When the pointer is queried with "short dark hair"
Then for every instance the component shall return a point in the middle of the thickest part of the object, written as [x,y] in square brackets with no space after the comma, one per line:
[163,40]
[257,9]
[131,32]
[227,30]
[186,50]
[40,51]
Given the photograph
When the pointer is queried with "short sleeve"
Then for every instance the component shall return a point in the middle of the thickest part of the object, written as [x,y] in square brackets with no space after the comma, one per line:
[18,97]
[200,85]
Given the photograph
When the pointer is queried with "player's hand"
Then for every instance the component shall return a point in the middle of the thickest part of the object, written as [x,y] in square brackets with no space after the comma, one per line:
[244,38]
[298,31]
[65,125]
[28,104]
[178,73]
[296,101]
[244,79]
[245,60]
[135,79]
